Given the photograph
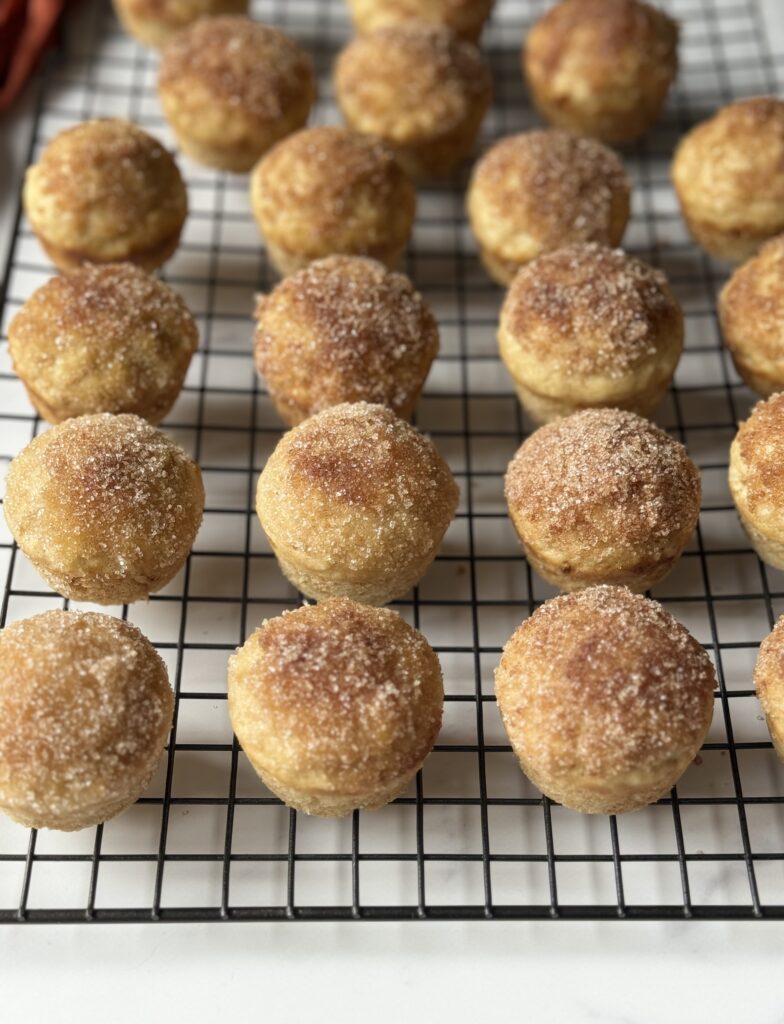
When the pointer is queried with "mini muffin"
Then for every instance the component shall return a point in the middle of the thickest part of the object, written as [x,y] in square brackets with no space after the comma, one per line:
[231,88]
[601,67]
[589,326]
[345,329]
[85,710]
[751,311]
[769,683]
[543,190]
[466,18]
[756,478]
[106,192]
[105,507]
[154,22]
[355,502]
[603,496]
[606,699]
[328,190]
[103,339]
[420,89]
[728,173]
[337,705]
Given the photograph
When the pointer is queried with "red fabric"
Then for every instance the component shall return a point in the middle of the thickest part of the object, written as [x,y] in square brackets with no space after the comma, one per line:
[26,28]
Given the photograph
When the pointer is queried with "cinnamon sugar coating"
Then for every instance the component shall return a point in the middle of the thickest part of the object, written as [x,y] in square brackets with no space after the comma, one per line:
[105,338]
[345,329]
[155,22]
[606,699]
[603,496]
[105,507]
[769,683]
[590,326]
[105,191]
[85,709]
[728,173]
[355,503]
[337,705]
[543,190]
[601,67]
[420,89]
[231,88]
[328,190]
[465,17]
[756,478]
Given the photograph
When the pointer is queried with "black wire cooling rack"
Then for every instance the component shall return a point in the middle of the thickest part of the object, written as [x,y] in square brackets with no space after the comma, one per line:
[472,839]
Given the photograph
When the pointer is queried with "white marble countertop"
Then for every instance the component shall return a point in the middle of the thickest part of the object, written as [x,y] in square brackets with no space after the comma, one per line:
[615,972]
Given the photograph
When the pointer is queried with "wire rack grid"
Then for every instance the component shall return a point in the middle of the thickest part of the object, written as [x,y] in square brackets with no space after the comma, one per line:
[472,838]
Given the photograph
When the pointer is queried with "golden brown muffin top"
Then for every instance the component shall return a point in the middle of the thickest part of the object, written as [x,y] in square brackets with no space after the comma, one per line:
[561,188]
[103,338]
[589,309]
[336,695]
[239,61]
[606,475]
[606,681]
[104,180]
[752,303]
[329,186]
[462,16]
[345,329]
[760,444]
[410,81]
[84,700]
[603,38]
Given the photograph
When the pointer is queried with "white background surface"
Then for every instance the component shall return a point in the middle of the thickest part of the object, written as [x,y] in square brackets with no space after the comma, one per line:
[280,973]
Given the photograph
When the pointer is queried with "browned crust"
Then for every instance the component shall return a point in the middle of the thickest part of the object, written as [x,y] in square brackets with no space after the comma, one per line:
[465,17]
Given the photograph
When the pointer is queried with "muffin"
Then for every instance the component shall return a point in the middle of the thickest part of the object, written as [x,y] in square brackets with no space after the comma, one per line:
[589,326]
[337,705]
[601,67]
[751,311]
[420,89]
[327,191]
[602,496]
[606,699]
[154,22]
[756,478]
[543,190]
[769,684]
[466,18]
[728,173]
[345,329]
[355,502]
[105,507]
[106,192]
[231,88]
[85,710]
[105,338]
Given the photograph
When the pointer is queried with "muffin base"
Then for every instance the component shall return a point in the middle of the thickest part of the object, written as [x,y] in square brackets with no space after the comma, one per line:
[148,259]
[732,246]
[615,127]
[331,805]
[287,262]
[769,550]
[238,159]
[502,271]
[293,414]
[153,413]
[763,384]
[87,817]
[106,589]
[638,578]
[777,736]
[544,409]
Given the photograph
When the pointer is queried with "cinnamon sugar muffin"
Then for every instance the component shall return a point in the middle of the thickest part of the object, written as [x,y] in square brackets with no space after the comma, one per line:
[345,329]
[106,192]
[603,496]
[543,190]
[105,338]
[154,22]
[337,705]
[769,684]
[420,89]
[355,502]
[329,190]
[728,173]
[105,507]
[756,478]
[606,699]
[751,311]
[231,88]
[466,18]
[85,710]
[601,67]
[589,326]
